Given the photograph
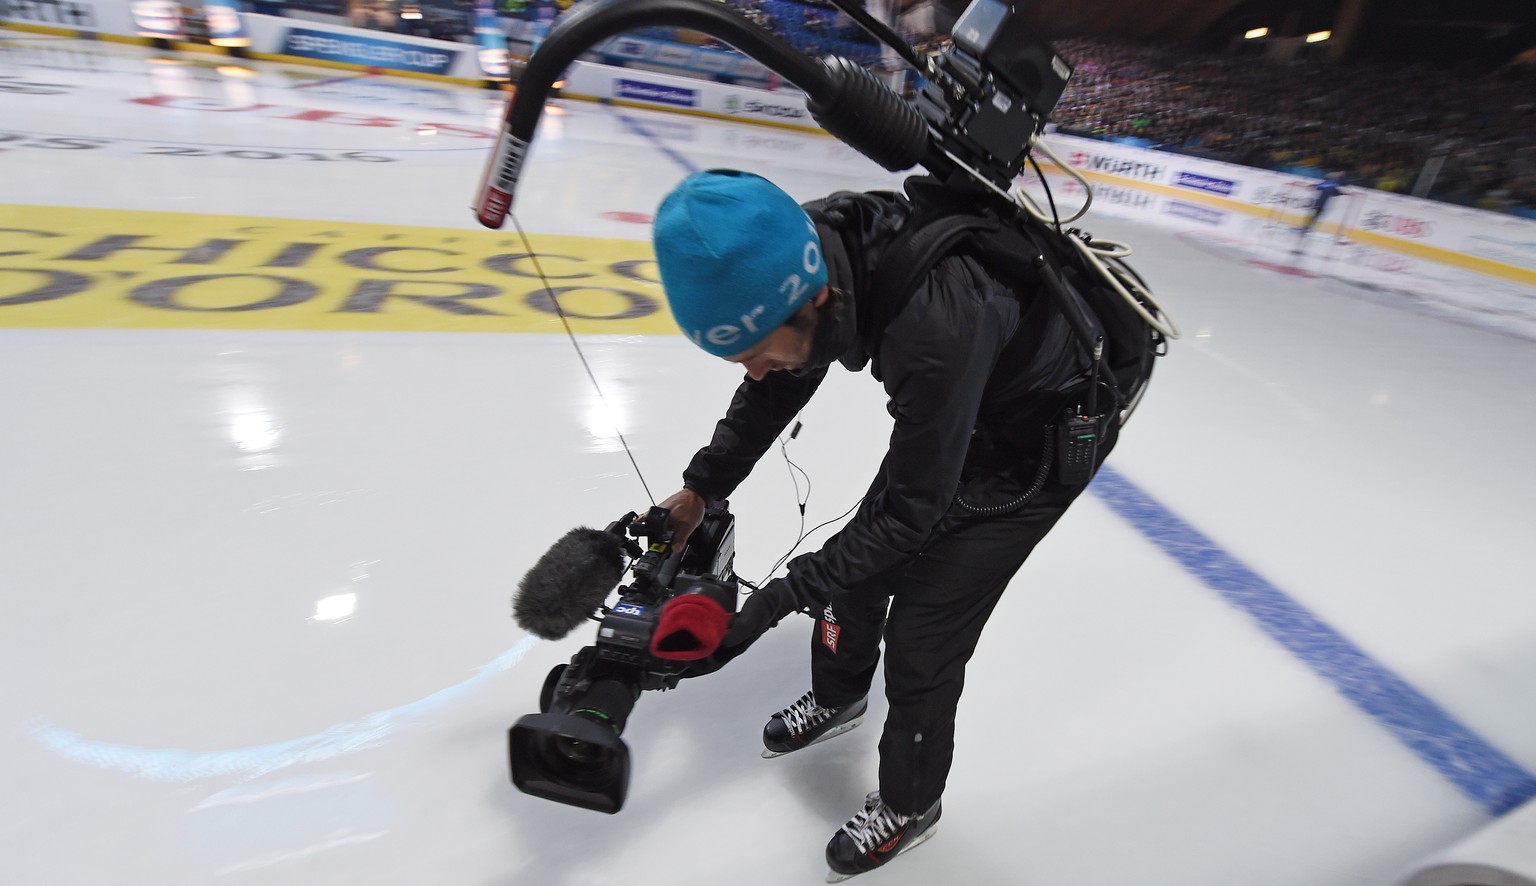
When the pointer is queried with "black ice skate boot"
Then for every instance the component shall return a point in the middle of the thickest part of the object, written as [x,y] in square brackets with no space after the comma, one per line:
[875,835]
[805,722]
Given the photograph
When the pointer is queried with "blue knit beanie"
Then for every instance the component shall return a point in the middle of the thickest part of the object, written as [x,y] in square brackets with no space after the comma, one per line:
[737,257]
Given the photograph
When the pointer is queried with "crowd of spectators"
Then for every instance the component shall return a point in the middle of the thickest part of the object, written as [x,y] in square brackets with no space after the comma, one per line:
[813,26]
[436,19]
[816,28]
[1379,124]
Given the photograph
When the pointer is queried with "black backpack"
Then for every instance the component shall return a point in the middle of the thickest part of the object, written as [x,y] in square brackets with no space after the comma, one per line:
[1007,239]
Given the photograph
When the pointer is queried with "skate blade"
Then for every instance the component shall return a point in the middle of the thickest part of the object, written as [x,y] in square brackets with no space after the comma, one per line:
[835,877]
[831,733]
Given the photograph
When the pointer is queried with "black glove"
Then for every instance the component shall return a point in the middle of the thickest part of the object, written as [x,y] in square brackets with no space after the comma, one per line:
[763,609]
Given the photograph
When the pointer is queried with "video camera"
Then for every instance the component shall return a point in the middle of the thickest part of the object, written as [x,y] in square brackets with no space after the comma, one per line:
[571,751]
[991,93]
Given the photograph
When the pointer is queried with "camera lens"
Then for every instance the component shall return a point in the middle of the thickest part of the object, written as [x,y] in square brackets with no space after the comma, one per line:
[584,754]
[573,753]
[578,762]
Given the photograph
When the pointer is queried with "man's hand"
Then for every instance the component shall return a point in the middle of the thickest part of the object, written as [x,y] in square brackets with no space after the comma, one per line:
[763,609]
[687,509]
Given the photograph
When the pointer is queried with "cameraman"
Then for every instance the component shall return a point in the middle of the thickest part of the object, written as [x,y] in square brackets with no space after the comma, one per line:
[978,365]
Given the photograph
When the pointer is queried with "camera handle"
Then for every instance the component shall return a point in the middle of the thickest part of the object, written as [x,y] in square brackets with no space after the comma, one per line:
[657,566]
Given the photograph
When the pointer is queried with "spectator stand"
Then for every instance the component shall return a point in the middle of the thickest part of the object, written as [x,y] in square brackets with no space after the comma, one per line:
[820,30]
[1457,136]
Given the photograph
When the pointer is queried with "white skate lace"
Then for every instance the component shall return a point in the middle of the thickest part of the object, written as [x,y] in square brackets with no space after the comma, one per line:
[805,714]
[875,824]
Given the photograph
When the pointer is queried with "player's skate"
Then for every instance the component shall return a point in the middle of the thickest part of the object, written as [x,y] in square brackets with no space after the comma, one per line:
[805,723]
[875,835]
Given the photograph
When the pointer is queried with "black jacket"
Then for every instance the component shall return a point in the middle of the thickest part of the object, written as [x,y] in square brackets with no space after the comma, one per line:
[975,355]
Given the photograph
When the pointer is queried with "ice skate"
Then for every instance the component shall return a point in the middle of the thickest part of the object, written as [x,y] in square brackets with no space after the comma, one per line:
[875,835]
[805,723]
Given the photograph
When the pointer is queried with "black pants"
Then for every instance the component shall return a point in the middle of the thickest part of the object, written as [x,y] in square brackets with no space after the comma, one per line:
[938,603]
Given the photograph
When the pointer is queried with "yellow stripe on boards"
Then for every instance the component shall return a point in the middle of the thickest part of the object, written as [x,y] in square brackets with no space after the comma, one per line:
[1424,251]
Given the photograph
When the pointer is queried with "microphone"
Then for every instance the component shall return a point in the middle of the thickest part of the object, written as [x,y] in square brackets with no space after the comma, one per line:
[571,580]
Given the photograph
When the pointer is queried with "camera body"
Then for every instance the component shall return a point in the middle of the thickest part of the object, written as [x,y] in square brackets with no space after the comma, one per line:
[991,93]
[571,751]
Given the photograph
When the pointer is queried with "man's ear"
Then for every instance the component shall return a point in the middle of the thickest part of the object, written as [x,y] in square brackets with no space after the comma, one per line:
[822,296]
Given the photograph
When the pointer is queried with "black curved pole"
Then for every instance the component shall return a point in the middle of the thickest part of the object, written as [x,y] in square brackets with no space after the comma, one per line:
[578,31]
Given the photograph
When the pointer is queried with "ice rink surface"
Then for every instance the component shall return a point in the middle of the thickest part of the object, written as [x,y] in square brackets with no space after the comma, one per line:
[283,427]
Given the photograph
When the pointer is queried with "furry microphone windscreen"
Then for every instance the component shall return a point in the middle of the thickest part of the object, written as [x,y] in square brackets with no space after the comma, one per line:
[571,580]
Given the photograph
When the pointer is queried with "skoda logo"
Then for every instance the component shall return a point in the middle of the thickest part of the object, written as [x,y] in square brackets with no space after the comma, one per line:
[732,104]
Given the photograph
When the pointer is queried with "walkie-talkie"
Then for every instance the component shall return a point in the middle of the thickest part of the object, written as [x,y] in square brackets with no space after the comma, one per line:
[1077,434]
[1077,445]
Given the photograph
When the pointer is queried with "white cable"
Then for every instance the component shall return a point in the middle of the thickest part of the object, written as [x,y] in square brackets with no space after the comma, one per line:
[1030,206]
[1093,251]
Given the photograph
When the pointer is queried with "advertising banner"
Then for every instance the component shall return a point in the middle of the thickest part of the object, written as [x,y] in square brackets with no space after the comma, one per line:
[1212,193]
[1473,267]
[783,108]
[354,49]
[646,54]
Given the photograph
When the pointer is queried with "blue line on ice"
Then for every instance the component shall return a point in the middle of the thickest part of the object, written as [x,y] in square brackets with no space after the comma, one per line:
[1481,771]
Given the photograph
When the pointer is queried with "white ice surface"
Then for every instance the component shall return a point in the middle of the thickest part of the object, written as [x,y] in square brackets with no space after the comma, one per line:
[177,503]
